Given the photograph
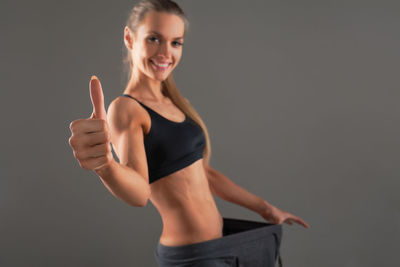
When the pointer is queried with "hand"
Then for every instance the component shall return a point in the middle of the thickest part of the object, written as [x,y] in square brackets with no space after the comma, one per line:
[277,216]
[90,138]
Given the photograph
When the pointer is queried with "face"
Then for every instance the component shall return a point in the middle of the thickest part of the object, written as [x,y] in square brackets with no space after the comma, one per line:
[156,48]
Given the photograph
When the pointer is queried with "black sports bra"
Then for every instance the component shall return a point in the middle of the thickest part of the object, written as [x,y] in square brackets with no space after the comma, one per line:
[171,146]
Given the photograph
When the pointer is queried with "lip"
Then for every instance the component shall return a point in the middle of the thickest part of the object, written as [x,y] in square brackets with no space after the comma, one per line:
[158,67]
[166,62]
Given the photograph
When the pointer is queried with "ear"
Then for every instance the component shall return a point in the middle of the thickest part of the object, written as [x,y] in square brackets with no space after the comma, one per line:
[128,37]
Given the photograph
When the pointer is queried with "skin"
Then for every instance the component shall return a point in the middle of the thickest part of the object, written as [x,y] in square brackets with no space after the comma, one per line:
[144,46]
[184,198]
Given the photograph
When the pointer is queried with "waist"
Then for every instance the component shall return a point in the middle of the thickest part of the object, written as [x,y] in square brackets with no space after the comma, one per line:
[191,226]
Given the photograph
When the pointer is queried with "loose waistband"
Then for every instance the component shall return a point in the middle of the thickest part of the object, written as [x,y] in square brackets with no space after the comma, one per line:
[235,233]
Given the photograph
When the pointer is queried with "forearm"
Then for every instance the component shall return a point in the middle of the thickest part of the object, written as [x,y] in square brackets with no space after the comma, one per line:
[125,183]
[226,189]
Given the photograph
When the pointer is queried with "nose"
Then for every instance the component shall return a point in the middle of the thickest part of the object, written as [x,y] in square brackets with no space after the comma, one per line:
[164,49]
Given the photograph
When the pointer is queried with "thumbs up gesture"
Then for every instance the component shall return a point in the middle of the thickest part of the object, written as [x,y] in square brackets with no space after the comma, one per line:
[90,138]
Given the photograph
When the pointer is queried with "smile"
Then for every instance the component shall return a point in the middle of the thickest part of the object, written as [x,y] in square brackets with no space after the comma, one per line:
[160,67]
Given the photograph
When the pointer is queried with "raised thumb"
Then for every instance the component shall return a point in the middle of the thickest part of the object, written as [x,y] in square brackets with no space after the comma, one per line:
[97,97]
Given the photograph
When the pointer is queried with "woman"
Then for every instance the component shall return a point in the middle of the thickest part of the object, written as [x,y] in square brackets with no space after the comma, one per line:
[164,149]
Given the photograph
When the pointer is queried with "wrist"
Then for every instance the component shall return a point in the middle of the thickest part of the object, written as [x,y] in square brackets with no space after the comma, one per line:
[264,206]
[105,169]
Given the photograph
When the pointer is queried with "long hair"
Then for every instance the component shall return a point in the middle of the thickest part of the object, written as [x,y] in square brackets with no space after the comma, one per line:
[169,88]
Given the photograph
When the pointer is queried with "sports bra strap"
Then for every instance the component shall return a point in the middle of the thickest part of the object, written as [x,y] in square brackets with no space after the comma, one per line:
[133,98]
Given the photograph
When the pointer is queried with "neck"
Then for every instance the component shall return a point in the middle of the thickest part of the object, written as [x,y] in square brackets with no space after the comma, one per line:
[145,87]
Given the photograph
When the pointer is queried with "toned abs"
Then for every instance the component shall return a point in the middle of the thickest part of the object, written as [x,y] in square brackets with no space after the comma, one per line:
[187,207]
[184,200]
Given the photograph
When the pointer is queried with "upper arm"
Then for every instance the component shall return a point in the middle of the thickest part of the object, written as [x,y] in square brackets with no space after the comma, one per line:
[127,135]
[207,167]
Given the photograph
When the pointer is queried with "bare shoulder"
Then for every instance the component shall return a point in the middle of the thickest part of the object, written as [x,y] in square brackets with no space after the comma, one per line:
[122,112]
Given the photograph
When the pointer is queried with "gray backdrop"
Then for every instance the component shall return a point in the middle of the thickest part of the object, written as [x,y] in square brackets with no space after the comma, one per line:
[300,98]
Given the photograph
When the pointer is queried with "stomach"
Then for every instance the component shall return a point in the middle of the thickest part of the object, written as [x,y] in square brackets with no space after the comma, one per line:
[187,207]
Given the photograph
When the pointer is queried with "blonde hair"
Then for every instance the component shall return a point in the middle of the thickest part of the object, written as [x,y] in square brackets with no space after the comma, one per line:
[169,88]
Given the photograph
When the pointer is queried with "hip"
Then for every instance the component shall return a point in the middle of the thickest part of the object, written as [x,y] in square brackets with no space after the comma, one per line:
[191,228]
[243,243]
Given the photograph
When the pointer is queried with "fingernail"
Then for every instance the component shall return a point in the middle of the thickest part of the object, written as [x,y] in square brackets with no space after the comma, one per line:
[93,77]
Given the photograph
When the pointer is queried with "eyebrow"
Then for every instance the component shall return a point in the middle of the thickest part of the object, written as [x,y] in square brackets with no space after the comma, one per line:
[181,37]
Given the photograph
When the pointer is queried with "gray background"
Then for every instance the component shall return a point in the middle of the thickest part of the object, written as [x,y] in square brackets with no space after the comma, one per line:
[300,98]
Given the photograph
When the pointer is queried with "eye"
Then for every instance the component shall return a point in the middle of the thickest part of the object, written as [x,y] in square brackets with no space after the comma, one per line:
[178,43]
[152,38]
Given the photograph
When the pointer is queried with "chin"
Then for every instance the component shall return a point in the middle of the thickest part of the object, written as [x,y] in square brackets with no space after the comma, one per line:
[161,77]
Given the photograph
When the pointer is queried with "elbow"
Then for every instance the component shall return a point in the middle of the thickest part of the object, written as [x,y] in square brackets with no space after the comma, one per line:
[144,204]
[139,204]
[146,198]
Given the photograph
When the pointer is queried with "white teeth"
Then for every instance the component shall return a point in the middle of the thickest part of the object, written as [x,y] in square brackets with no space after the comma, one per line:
[161,65]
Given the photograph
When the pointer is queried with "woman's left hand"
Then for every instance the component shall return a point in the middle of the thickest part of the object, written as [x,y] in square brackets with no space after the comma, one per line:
[276,216]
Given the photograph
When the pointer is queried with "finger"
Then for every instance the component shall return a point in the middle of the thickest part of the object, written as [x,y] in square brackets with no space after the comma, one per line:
[88,126]
[300,221]
[98,150]
[288,221]
[97,98]
[97,138]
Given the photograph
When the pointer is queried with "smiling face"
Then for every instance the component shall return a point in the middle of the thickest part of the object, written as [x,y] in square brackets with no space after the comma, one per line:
[156,48]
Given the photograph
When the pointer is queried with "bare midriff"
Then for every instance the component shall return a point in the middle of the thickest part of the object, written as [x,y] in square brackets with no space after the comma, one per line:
[187,207]
[183,198]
